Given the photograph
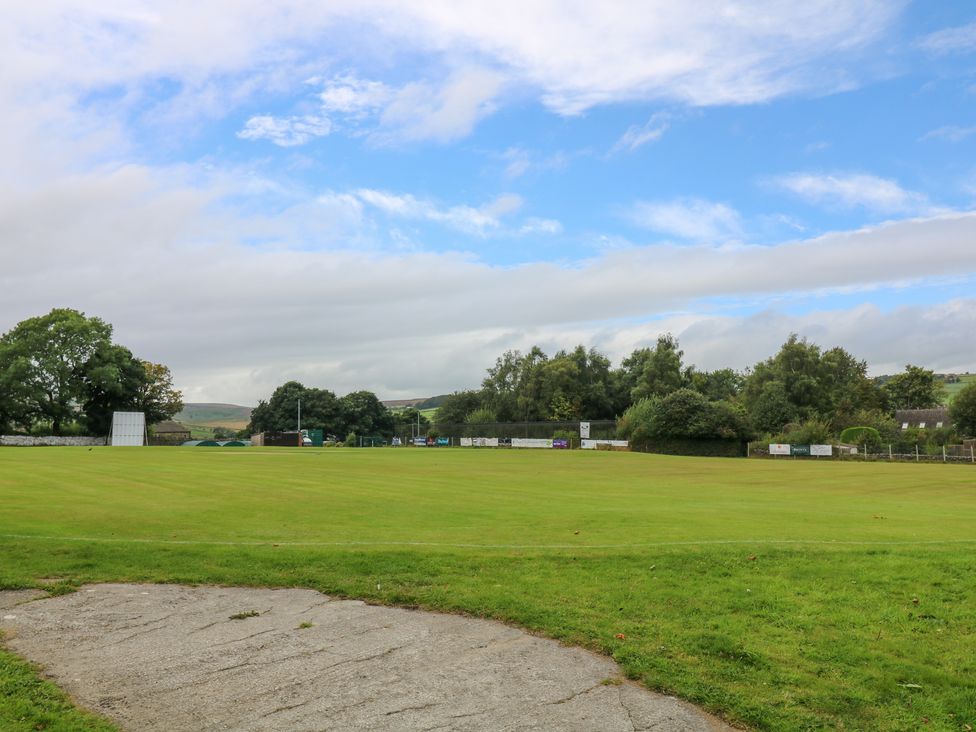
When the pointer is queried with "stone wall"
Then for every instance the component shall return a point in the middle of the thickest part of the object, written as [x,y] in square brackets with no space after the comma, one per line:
[28,441]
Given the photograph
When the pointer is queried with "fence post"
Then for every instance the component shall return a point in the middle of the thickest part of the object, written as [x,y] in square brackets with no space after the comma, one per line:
[972,454]
[943,454]
[865,451]
[916,452]
[890,457]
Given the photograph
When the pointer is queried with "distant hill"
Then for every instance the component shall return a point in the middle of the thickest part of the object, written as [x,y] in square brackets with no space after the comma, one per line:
[215,415]
[395,404]
[420,403]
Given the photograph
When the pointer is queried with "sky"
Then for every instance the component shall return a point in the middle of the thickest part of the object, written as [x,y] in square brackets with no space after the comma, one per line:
[387,195]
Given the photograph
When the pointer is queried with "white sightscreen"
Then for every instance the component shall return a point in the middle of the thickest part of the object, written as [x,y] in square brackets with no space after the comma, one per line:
[128,429]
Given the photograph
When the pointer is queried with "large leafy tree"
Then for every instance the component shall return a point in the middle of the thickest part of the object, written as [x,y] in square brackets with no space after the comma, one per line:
[43,362]
[661,369]
[156,395]
[112,380]
[801,382]
[320,410]
[915,388]
[963,411]
[457,406]
[365,415]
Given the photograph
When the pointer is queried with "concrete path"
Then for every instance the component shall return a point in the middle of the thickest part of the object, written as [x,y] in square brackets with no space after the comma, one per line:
[165,657]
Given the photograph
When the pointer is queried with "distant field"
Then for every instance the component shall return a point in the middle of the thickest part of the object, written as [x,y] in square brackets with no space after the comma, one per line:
[785,595]
[953,389]
[215,415]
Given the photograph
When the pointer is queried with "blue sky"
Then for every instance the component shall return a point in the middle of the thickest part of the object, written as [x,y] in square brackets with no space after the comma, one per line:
[384,196]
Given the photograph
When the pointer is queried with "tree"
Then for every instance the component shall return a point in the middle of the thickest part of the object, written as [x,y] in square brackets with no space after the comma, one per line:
[810,382]
[662,369]
[320,410]
[412,415]
[772,409]
[457,406]
[112,381]
[962,412]
[157,397]
[916,388]
[365,415]
[716,385]
[685,414]
[42,365]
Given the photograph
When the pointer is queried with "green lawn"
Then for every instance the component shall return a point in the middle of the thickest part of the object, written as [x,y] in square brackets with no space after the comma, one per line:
[953,389]
[784,595]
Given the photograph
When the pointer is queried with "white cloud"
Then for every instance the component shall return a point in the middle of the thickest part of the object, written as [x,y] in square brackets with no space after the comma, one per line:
[951,133]
[961,39]
[463,218]
[639,135]
[422,111]
[853,190]
[704,53]
[167,261]
[689,218]
[541,226]
[518,162]
[80,65]
[285,131]
[350,95]
[886,339]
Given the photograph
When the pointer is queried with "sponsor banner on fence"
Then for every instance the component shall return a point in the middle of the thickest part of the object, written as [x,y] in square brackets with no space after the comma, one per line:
[484,441]
[779,450]
[530,442]
[822,450]
[801,450]
[584,430]
[560,444]
[443,442]
[420,441]
[466,442]
[591,444]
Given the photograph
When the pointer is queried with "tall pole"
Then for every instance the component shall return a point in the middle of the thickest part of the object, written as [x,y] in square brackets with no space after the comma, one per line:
[299,415]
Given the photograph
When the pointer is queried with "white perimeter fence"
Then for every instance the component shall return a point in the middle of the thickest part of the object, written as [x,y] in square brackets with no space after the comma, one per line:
[891,452]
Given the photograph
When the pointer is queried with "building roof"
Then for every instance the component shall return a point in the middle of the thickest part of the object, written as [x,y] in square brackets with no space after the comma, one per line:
[917,417]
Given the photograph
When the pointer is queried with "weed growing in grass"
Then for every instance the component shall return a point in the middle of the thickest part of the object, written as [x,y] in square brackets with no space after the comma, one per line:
[60,588]
[244,615]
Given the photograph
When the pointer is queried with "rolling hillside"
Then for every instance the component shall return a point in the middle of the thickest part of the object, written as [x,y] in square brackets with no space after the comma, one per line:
[233,416]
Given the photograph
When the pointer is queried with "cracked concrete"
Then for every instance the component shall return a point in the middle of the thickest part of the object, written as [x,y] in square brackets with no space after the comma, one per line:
[189,666]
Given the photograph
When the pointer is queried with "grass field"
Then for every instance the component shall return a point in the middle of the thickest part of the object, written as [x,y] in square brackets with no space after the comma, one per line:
[783,595]
[953,389]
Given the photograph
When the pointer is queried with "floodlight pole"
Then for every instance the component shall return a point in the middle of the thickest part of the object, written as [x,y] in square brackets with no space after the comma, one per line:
[299,415]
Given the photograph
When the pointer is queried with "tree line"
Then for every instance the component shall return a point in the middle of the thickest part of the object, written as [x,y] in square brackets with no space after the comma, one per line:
[358,413]
[61,373]
[801,391]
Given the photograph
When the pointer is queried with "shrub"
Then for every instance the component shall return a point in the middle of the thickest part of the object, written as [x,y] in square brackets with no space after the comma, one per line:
[635,423]
[684,414]
[352,440]
[565,435]
[860,436]
[963,411]
[811,432]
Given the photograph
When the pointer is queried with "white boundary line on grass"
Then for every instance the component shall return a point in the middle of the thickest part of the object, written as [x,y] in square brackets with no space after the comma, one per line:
[451,545]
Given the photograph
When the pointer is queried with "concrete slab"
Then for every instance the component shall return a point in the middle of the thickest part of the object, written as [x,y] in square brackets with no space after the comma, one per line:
[166,657]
